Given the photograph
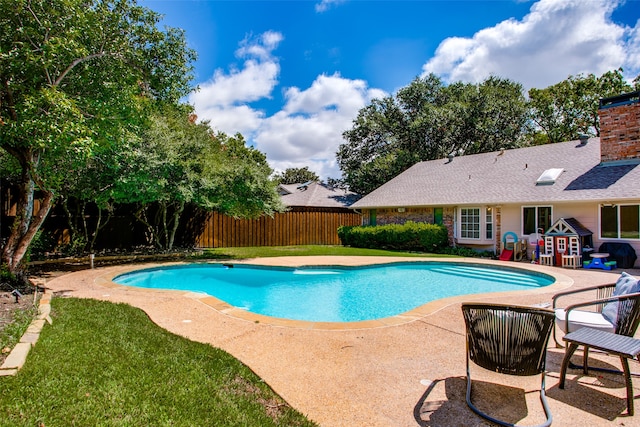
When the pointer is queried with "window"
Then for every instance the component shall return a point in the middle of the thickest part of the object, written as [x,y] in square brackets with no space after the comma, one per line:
[488,220]
[470,223]
[534,218]
[620,222]
[437,216]
[373,220]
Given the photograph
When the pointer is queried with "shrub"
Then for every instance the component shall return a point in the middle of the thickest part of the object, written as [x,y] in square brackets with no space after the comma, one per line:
[466,252]
[410,236]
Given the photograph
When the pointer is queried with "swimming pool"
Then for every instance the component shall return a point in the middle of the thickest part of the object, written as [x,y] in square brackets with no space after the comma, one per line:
[335,293]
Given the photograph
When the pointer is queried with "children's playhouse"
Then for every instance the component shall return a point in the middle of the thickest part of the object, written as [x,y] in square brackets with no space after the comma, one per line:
[565,242]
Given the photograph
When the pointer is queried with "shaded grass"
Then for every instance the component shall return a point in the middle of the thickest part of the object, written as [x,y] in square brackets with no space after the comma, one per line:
[105,364]
[304,250]
[16,322]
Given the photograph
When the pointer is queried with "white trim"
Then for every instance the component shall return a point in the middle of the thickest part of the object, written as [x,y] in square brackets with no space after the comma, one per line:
[537,226]
[618,231]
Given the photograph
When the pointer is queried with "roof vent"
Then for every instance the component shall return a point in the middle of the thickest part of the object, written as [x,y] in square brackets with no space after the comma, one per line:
[549,176]
[584,138]
[303,187]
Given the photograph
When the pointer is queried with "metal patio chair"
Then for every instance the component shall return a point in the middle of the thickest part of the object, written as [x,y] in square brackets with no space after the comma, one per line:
[600,311]
[509,340]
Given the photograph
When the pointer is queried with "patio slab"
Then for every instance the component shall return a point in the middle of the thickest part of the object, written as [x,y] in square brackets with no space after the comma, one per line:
[408,370]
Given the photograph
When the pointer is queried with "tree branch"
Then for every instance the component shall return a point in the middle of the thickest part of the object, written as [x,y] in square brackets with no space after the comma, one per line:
[76,62]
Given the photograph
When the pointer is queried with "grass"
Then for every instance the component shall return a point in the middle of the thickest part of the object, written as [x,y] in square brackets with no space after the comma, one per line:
[17,323]
[304,250]
[105,364]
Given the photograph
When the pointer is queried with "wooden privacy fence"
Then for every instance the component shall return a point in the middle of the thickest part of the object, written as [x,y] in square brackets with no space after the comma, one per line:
[296,227]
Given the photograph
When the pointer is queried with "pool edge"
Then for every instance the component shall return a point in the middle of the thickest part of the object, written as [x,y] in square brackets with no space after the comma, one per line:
[562,282]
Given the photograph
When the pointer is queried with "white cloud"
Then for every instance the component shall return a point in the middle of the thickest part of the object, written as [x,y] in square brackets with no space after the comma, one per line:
[324,5]
[308,130]
[305,132]
[556,39]
[222,100]
[261,48]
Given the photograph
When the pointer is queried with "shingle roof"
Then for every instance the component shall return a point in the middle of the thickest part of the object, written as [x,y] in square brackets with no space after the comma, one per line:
[316,194]
[510,177]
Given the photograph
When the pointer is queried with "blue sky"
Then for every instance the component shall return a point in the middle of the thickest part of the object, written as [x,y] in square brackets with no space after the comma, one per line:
[291,76]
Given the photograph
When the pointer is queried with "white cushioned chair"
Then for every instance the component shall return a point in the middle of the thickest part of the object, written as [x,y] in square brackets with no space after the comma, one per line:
[600,312]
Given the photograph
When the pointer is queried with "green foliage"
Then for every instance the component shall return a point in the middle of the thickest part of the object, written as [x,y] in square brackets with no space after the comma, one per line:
[178,162]
[427,120]
[75,76]
[296,176]
[240,183]
[42,242]
[466,252]
[8,280]
[299,250]
[11,333]
[108,364]
[563,111]
[411,236]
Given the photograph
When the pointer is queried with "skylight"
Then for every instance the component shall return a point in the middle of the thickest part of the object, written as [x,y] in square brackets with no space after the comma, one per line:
[549,176]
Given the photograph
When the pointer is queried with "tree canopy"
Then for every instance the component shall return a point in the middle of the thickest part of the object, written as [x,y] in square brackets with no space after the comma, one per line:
[75,74]
[567,109]
[179,162]
[296,176]
[427,120]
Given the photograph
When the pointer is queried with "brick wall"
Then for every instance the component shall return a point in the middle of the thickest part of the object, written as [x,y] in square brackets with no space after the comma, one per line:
[620,128]
[393,216]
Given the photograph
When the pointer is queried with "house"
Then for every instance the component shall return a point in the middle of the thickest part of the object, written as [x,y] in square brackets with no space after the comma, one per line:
[316,195]
[524,191]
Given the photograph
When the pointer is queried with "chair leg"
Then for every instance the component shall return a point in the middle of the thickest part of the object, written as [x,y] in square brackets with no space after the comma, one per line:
[571,348]
[555,338]
[627,378]
[585,358]
[543,399]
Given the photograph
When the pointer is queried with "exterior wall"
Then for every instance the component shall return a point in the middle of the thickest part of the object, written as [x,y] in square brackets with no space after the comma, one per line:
[393,216]
[419,214]
[507,218]
[620,129]
[587,213]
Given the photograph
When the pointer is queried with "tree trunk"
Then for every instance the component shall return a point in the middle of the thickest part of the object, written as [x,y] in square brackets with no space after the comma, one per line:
[177,213]
[26,224]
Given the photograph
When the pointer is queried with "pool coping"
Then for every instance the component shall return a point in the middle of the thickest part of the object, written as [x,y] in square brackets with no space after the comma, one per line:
[562,282]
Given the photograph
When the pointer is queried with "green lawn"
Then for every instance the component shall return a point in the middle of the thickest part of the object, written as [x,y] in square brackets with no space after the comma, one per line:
[308,250]
[105,364]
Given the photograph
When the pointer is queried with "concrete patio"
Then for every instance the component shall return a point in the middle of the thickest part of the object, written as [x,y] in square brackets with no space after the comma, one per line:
[408,370]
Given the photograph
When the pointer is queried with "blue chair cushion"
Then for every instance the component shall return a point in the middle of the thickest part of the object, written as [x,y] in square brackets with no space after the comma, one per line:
[626,284]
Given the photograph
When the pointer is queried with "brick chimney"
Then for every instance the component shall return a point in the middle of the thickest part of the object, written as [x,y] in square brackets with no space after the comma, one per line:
[620,127]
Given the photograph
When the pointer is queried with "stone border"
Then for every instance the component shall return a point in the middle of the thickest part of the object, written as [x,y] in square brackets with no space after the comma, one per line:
[18,356]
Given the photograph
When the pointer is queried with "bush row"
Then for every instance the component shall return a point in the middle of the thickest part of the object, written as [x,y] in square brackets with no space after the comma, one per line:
[410,236]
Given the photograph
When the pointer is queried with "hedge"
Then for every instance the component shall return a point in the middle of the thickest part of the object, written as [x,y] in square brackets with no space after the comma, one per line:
[410,236]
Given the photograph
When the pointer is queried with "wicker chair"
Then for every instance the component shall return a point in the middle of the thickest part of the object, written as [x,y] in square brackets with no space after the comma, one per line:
[590,314]
[618,340]
[510,340]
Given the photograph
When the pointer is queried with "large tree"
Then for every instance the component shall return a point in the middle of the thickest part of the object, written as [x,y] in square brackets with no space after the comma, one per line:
[296,176]
[427,120]
[565,110]
[178,162]
[75,74]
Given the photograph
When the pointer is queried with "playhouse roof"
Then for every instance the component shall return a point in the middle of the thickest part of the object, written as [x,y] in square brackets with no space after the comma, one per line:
[565,226]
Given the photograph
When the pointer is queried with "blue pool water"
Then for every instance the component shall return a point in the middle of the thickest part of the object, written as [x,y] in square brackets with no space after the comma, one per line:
[335,294]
